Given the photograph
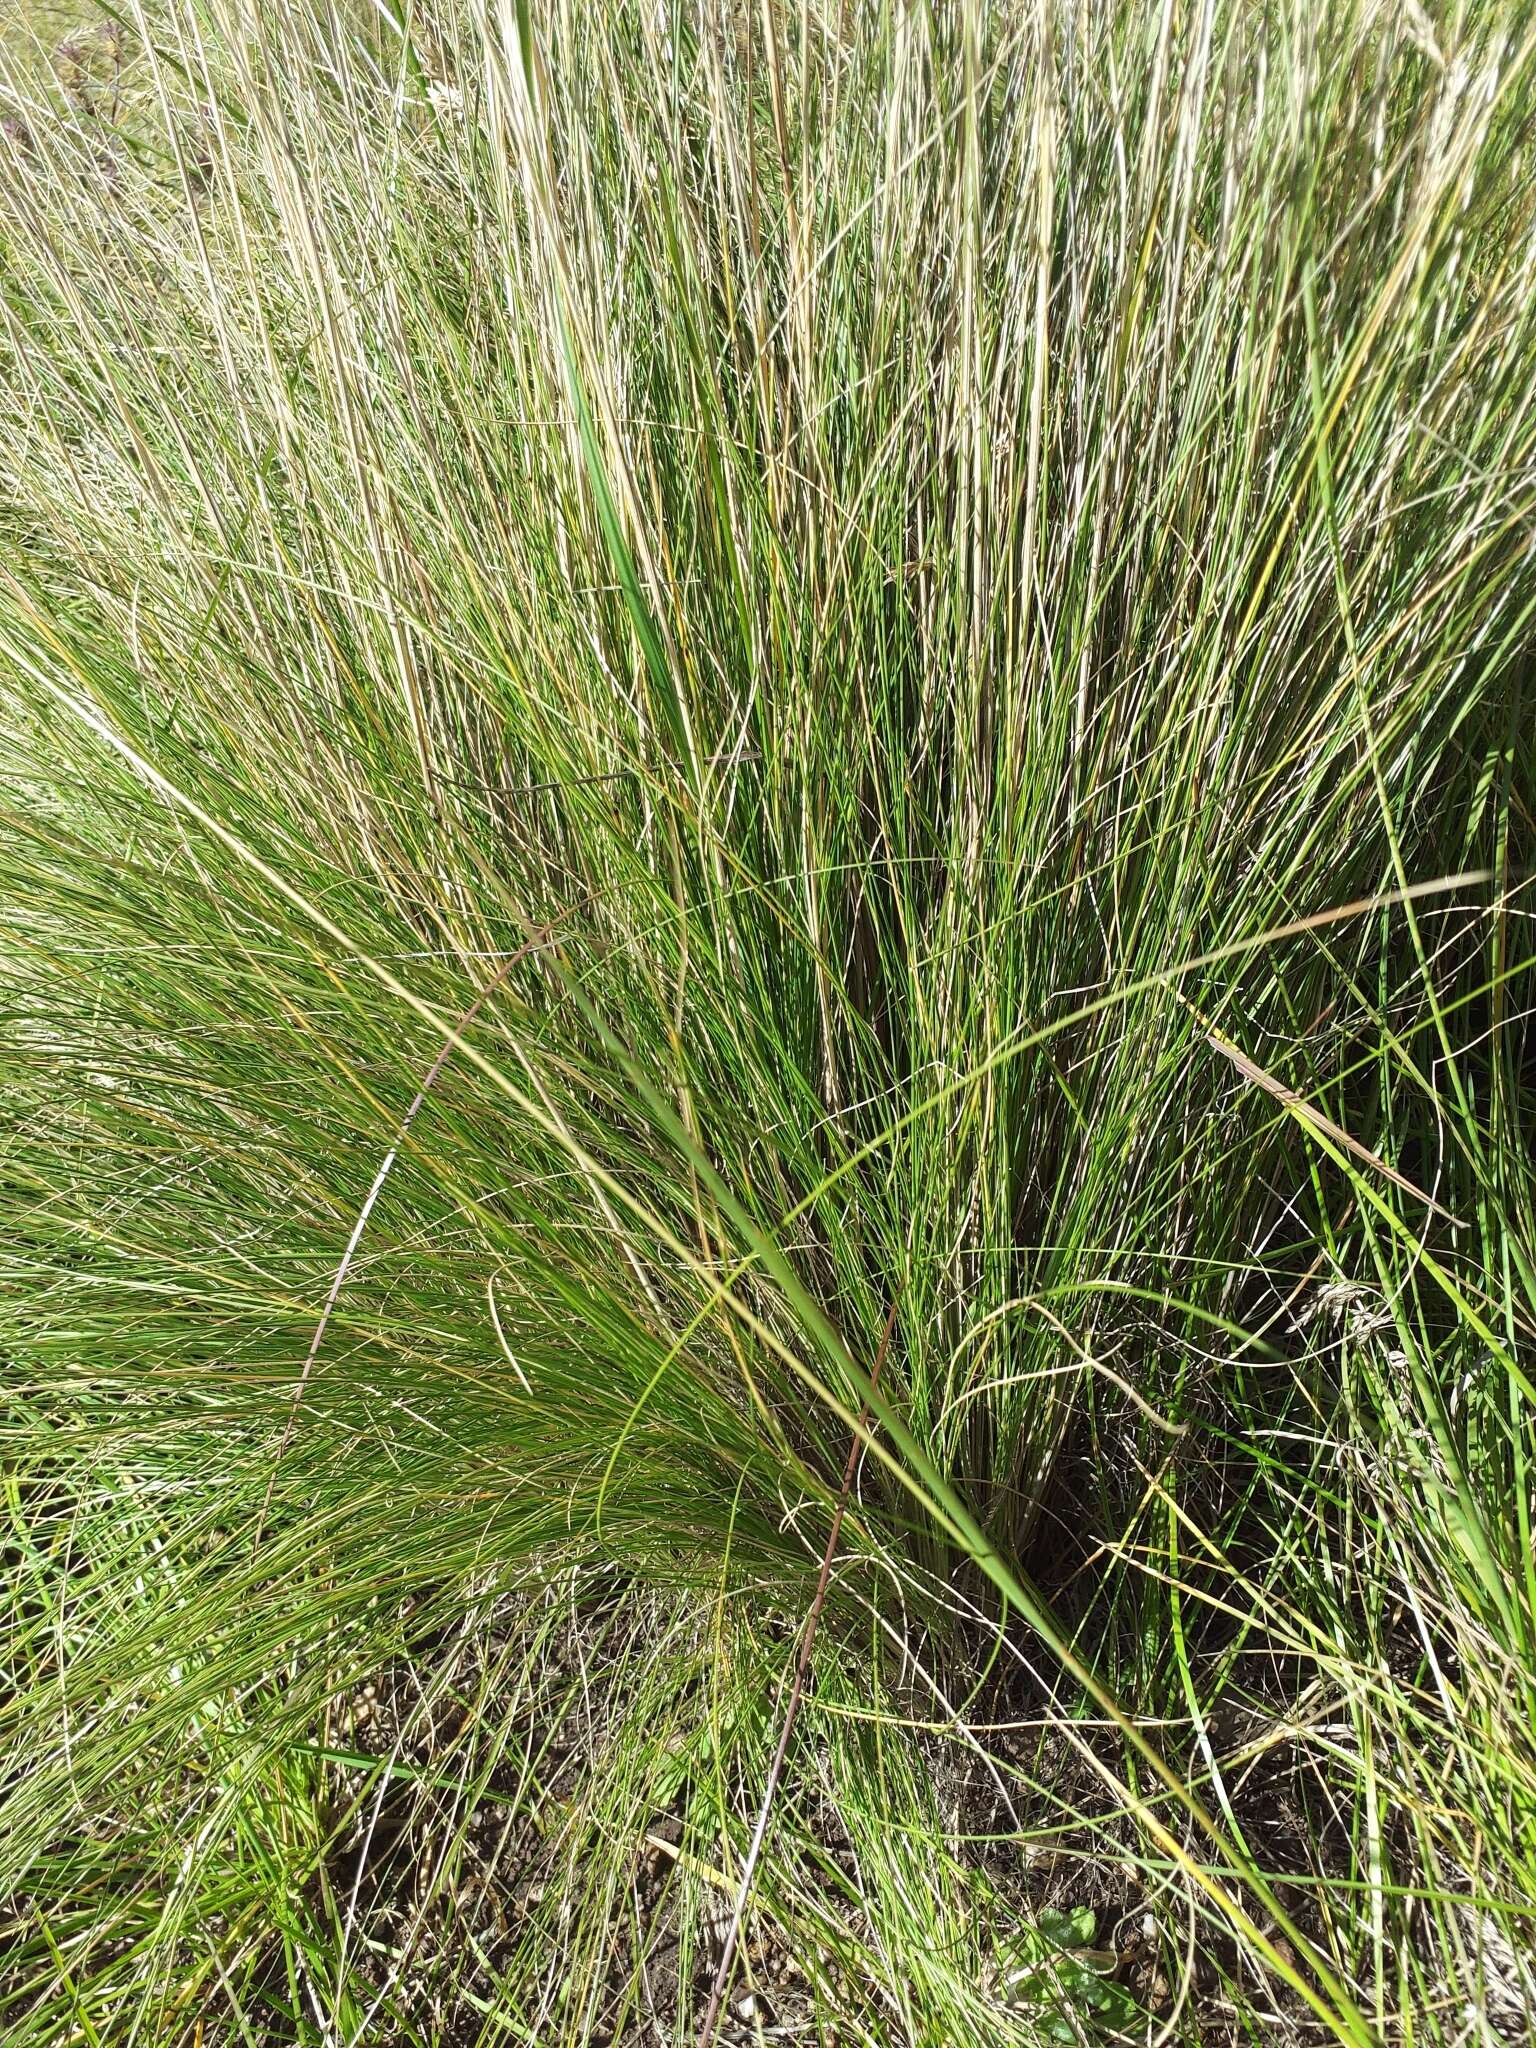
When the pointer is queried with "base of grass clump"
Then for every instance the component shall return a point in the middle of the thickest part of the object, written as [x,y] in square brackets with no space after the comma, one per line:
[744,745]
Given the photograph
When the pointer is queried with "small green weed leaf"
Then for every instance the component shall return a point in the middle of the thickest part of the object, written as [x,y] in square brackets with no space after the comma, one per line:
[1074,1929]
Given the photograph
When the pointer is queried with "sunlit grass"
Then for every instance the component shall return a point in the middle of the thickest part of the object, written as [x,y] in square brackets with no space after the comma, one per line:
[674,679]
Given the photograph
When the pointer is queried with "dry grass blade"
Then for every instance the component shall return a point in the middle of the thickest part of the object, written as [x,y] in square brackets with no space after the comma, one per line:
[1308,1113]
[338,1278]
[728,1946]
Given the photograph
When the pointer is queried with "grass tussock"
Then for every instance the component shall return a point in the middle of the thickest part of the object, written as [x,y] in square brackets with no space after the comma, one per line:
[677,680]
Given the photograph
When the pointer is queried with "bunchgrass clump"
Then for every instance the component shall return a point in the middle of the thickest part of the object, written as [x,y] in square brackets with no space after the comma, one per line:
[679,682]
